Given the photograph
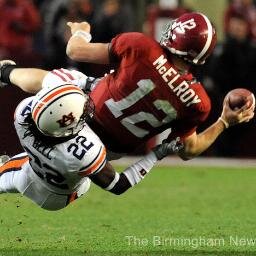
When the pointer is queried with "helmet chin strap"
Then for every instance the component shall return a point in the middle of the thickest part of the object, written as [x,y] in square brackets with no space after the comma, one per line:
[180,63]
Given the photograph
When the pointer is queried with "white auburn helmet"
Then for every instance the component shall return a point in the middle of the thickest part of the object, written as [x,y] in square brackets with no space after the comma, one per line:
[61,111]
[191,36]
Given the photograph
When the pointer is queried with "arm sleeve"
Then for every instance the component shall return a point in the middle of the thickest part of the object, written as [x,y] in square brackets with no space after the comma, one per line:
[22,110]
[127,45]
[96,163]
[188,126]
[20,115]
[117,183]
[65,76]
[194,117]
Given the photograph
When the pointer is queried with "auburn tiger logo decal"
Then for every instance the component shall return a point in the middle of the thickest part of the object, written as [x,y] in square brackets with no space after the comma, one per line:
[66,120]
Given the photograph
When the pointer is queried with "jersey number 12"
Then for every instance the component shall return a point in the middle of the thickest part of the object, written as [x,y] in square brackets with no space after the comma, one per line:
[144,87]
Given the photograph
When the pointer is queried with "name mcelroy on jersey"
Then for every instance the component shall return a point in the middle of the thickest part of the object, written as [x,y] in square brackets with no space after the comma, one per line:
[186,94]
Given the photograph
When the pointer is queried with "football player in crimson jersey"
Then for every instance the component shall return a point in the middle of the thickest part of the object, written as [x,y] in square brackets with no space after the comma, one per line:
[62,154]
[151,88]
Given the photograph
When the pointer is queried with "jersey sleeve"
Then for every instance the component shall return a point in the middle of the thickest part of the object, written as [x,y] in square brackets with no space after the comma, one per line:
[86,153]
[129,45]
[186,128]
[194,117]
[65,76]
[23,110]
[20,115]
[95,164]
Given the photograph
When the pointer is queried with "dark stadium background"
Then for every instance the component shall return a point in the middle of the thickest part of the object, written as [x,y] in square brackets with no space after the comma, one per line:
[235,142]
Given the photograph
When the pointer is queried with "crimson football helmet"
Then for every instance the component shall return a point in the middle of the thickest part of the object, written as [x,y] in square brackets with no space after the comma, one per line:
[191,36]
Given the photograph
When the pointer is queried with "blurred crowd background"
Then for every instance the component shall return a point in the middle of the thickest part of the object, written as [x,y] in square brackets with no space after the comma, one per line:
[34,34]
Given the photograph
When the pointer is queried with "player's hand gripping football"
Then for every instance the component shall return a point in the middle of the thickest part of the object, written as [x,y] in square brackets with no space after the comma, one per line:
[235,116]
[167,148]
[3,64]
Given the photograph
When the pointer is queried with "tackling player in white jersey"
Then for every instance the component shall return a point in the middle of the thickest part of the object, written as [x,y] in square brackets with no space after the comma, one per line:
[62,153]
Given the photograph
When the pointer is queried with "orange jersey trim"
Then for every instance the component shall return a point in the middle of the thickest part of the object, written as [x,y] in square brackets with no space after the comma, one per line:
[98,162]
[72,197]
[13,164]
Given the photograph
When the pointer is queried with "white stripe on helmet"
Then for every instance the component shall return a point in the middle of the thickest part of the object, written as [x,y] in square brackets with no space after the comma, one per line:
[208,41]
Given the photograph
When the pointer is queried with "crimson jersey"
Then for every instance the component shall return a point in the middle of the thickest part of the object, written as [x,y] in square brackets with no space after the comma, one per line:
[145,96]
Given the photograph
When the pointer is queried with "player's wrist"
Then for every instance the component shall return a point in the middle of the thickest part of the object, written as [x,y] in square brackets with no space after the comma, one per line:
[167,148]
[83,34]
[224,122]
[6,67]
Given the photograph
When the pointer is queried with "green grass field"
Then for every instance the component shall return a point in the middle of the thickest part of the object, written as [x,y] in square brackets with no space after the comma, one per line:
[174,211]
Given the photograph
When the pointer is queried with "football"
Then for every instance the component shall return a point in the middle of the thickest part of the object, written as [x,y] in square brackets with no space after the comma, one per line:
[237,98]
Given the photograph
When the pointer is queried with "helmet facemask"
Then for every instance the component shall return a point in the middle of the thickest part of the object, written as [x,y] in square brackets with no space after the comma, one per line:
[85,117]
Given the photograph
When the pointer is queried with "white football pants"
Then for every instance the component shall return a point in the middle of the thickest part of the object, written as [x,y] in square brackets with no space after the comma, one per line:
[17,176]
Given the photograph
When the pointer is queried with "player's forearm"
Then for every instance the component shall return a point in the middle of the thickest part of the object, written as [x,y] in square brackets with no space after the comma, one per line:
[28,79]
[202,141]
[117,183]
[79,47]
[79,50]
[121,186]
[132,175]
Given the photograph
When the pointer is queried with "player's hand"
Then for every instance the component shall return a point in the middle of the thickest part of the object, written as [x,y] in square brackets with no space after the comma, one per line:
[167,148]
[233,117]
[4,63]
[75,26]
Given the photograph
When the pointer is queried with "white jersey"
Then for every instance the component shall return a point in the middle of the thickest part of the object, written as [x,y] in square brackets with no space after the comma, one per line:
[65,76]
[87,84]
[64,166]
